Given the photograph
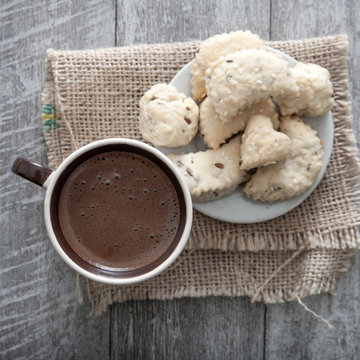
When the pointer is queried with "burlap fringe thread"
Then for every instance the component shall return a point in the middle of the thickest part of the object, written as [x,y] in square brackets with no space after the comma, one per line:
[213,263]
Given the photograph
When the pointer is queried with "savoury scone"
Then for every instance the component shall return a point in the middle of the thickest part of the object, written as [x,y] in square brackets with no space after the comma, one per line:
[241,79]
[315,92]
[215,133]
[294,174]
[211,174]
[167,117]
[214,47]
[261,144]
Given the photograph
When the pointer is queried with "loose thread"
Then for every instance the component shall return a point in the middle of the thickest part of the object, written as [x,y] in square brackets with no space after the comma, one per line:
[292,257]
[79,292]
[313,313]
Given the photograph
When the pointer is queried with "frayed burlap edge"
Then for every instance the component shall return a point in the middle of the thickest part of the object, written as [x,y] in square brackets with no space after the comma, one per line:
[101,296]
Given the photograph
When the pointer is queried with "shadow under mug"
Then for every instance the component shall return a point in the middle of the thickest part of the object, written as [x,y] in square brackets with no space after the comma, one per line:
[53,182]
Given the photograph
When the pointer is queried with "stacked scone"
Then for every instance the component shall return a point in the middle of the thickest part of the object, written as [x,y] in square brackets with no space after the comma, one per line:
[237,83]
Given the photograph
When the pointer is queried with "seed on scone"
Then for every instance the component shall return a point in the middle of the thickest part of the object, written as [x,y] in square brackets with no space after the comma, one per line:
[189,172]
[252,171]
[219,165]
[187,108]
[229,61]
[187,120]
[228,76]
[179,163]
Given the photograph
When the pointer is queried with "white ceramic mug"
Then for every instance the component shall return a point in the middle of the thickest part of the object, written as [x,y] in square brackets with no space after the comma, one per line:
[53,182]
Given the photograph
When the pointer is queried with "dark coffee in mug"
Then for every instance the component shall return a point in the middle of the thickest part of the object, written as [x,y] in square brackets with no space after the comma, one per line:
[118,211]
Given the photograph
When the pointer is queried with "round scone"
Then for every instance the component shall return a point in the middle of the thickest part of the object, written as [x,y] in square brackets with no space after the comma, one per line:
[214,47]
[241,79]
[294,174]
[167,117]
[315,92]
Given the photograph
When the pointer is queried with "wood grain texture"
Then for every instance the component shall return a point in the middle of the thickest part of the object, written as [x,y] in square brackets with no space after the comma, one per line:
[39,314]
[208,328]
[154,21]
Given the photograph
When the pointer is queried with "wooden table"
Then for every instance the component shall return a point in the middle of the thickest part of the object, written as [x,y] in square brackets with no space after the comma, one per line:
[40,317]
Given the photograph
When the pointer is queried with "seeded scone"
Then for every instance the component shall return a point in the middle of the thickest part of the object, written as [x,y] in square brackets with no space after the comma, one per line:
[315,92]
[261,144]
[167,117]
[241,79]
[211,174]
[214,47]
[215,133]
[294,174]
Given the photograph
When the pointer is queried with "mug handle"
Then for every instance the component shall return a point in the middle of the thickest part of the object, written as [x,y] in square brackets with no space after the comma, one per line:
[31,171]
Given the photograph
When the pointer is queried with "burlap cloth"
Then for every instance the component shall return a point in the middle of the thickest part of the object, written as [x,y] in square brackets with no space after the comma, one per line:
[94,94]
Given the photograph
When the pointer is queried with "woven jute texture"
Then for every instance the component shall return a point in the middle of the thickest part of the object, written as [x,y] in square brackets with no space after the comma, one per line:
[94,94]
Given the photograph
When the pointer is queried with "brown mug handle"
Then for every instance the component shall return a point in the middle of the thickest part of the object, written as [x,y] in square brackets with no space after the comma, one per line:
[31,171]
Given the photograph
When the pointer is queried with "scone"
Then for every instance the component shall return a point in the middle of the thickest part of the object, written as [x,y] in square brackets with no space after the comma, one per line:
[241,79]
[211,174]
[261,144]
[214,47]
[215,133]
[294,174]
[315,92]
[167,117]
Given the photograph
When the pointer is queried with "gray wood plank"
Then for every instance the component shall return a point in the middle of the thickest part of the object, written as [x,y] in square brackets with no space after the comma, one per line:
[290,331]
[155,21]
[207,328]
[39,313]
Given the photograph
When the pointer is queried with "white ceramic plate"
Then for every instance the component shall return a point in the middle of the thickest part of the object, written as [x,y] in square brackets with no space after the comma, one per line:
[237,207]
